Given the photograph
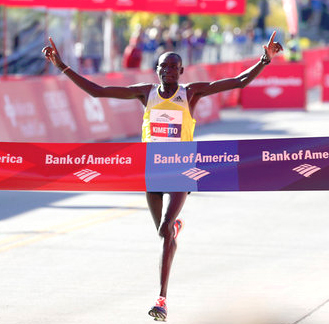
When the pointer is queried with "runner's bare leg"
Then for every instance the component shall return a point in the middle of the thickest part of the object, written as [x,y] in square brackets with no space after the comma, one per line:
[165,227]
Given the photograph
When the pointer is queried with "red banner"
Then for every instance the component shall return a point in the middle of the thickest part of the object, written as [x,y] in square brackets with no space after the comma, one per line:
[278,86]
[105,118]
[54,109]
[162,6]
[23,114]
[225,70]
[313,59]
[325,81]
[208,108]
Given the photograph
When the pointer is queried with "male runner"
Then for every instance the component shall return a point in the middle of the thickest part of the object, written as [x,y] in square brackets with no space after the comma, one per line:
[159,99]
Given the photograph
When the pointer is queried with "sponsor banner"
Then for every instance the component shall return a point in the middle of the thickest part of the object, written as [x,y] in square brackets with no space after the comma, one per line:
[325,81]
[105,118]
[41,111]
[313,59]
[57,112]
[193,166]
[225,70]
[278,86]
[246,165]
[163,6]
[219,162]
[208,108]
[21,111]
[284,164]
[64,166]
[54,109]
[166,163]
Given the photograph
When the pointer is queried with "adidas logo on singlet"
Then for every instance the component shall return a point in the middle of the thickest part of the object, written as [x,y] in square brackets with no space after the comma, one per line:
[178,99]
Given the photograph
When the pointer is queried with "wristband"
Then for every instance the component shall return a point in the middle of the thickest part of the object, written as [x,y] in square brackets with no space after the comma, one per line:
[67,68]
[265,59]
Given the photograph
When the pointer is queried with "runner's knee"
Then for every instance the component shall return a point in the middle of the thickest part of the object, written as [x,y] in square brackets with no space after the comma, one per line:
[166,230]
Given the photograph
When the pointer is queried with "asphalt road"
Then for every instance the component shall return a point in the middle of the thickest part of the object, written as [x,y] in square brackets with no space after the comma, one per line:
[243,257]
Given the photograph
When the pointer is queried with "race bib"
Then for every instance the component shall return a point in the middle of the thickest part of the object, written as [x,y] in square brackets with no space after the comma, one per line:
[166,125]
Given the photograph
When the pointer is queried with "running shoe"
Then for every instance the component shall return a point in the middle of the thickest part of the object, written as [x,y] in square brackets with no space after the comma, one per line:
[178,226]
[159,311]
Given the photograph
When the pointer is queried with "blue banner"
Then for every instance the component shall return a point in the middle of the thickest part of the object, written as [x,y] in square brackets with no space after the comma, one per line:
[245,165]
[166,164]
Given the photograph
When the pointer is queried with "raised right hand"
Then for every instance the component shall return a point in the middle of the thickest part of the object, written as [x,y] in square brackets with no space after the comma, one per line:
[51,54]
[272,47]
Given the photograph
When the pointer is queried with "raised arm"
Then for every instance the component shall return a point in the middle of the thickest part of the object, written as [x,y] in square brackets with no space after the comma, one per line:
[201,89]
[131,92]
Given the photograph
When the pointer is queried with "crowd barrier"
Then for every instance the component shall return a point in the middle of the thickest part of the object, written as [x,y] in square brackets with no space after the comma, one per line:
[279,86]
[313,60]
[244,165]
[53,109]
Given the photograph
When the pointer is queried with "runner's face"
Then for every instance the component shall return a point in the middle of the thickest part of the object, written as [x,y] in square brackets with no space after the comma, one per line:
[169,69]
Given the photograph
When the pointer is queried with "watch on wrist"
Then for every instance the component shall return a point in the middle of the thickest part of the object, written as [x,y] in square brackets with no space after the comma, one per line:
[265,59]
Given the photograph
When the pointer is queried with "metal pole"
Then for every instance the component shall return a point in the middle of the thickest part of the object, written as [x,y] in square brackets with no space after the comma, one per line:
[79,37]
[46,36]
[108,42]
[4,29]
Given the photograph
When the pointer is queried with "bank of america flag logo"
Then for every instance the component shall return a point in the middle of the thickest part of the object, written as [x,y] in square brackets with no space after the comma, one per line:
[86,175]
[195,173]
[167,117]
[306,170]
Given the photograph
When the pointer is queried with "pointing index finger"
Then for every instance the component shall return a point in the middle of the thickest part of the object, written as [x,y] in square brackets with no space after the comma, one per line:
[53,45]
[272,38]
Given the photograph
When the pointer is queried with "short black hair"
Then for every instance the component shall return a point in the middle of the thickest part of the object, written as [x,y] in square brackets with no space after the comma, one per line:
[166,54]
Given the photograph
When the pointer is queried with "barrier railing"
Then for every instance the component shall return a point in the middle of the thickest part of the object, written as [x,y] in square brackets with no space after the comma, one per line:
[53,109]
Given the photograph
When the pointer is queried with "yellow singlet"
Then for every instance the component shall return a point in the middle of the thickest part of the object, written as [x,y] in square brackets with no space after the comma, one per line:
[167,120]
